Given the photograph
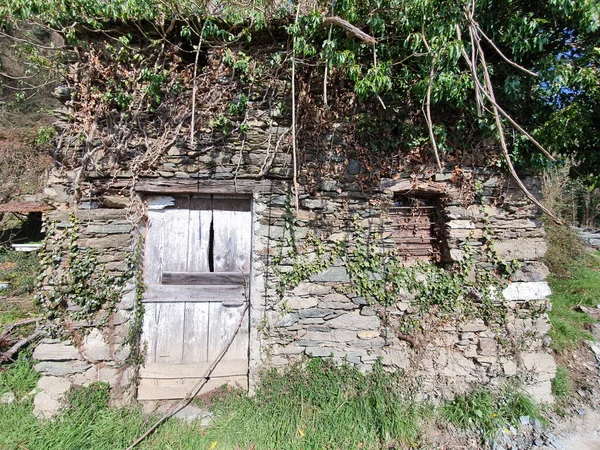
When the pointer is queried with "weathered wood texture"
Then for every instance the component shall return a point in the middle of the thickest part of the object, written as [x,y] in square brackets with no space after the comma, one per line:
[225,187]
[196,265]
[414,231]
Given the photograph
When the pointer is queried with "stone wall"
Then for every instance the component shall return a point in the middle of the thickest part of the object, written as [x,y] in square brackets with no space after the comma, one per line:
[323,316]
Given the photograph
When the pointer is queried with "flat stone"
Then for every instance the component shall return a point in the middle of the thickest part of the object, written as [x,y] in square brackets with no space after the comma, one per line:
[301,302]
[541,364]
[368,334]
[55,352]
[522,249]
[314,312]
[329,336]
[527,291]
[348,305]
[368,311]
[355,322]
[319,351]
[109,228]
[332,275]
[306,288]
[192,413]
[54,386]
[59,368]
[45,406]
[360,301]
[94,346]
[473,326]
[287,320]
[487,347]
[354,167]
[7,398]
[461,224]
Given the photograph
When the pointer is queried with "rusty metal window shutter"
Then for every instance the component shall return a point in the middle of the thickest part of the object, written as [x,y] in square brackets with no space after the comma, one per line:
[415,229]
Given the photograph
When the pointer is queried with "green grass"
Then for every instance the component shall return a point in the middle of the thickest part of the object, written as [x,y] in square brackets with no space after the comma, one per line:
[488,412]
[561,384]
[312,406]
[581,289]
[20,269]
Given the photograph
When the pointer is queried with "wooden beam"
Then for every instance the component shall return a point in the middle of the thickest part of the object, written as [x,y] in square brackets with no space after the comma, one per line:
[408,186]
[164,293]
[236,367]
[205,278]
[192,186]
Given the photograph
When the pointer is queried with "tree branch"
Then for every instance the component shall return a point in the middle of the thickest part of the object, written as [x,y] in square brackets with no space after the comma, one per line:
[500,129]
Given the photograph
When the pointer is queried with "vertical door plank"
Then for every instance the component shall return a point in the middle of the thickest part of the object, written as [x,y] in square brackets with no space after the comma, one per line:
[149,331]
[195,335]
[169,333]
[153,247]
[222,323]
[175,240]
[239,347]
[232,230]
[199,234]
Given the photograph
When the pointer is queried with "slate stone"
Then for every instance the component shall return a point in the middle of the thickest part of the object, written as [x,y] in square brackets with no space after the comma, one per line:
[314,312]
[55,352]
[354,167]
[332,275]
[355,322]
[287,320]
[319,352]
[60,369]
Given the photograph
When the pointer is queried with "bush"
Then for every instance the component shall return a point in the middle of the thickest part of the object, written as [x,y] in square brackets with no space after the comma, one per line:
[565,249]
[487,412]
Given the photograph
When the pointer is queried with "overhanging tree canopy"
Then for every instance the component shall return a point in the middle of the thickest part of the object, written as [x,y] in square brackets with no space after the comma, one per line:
[446,76]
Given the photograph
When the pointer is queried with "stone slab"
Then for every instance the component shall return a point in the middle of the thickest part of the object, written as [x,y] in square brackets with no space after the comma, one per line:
[55,352]
[534,290]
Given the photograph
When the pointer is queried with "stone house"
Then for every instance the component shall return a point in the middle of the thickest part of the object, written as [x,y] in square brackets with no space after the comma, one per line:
[162,251]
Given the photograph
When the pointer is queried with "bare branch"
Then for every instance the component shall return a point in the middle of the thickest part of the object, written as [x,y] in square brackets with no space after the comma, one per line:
[350,29]
[500,129]
[512,63]
[478,86]
[195,86]
[428,104]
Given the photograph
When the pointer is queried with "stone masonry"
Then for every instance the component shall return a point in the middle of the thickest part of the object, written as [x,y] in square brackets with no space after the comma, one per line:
[323,316]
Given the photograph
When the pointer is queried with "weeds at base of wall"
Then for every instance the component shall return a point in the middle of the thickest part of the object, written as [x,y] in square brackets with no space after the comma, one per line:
[312,405]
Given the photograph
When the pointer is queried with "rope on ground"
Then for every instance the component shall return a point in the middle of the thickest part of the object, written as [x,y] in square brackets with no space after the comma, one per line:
[195,390]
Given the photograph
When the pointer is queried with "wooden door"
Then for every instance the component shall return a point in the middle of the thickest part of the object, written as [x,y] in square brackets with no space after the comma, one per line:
[196,270]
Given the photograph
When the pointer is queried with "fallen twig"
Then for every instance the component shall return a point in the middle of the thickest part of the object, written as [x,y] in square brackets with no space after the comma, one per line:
[8,328]
[8,355]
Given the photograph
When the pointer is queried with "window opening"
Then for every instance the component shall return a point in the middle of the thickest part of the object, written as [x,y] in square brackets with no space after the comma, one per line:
[415,228]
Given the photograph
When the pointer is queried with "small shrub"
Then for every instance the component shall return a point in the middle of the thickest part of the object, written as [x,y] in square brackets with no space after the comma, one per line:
[87,400]
[565,248]
[561,384]
[474,411]
[487,412]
